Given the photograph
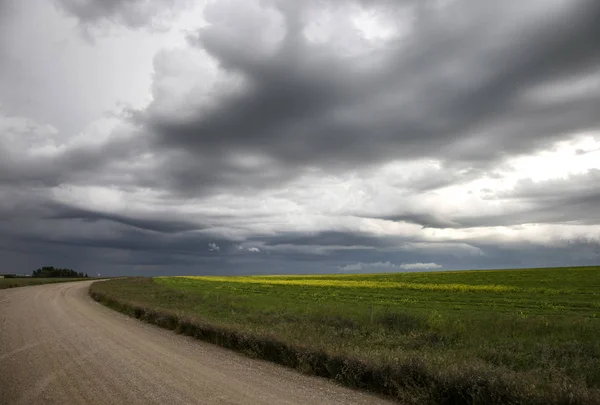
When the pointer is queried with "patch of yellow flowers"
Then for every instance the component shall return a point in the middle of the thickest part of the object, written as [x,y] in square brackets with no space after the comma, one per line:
[316,282]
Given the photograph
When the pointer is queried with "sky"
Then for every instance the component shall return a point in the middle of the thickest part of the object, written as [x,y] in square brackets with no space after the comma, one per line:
[143,137]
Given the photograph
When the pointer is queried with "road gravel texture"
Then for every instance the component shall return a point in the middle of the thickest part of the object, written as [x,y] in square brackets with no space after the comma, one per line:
[58,346]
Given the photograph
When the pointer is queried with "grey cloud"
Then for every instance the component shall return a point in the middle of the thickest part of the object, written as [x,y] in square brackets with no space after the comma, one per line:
[304,107]
[577,186]
[331,238]
[110,247]
[575,253]
[132,13]
[85,163]
[157,222]
[361,245]
[457,89]
[426,220]
[6,8]
[121,238]
[449,91]
[572,200]
[31,217]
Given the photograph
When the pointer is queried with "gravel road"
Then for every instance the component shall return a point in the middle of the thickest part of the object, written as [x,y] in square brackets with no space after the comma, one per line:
[58,346]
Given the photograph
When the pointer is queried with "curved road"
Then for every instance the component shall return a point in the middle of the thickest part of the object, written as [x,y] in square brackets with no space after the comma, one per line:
[58,346]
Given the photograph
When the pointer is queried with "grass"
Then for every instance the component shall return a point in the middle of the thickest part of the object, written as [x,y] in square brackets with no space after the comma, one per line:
[27,281]
[519,336]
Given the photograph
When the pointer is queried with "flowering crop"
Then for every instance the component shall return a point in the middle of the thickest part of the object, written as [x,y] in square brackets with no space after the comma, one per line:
[320,282]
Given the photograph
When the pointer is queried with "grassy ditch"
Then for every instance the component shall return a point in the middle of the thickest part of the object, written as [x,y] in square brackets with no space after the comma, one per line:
[489,337]
[13,282]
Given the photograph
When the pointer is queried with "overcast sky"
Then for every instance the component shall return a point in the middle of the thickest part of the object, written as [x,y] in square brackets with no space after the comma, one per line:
[268,136]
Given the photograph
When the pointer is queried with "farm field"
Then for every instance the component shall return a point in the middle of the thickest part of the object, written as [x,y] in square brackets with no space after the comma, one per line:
[502,336]
[26,281]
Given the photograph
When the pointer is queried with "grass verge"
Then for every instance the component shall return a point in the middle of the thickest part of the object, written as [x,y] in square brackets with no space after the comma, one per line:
[456,345]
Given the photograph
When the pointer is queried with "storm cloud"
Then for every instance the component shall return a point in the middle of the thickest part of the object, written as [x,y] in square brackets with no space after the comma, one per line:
[439,91]
[163,137]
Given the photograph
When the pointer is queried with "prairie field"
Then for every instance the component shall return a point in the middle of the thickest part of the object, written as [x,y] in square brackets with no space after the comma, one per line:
[500,336]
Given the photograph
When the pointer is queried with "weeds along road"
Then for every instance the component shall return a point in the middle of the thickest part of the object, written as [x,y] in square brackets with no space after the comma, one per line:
[59,346]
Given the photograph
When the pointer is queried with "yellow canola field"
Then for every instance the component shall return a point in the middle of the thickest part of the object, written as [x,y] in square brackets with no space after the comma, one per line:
[493,288]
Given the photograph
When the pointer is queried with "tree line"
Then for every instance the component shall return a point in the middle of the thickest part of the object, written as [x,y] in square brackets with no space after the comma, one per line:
[50,271]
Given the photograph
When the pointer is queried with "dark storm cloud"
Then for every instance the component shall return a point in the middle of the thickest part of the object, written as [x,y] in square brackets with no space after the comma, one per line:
[331,238]
[577,252]
[150,248]
[89,162]
[470,85]
[453,90]
[150,223]
[127,240]
[108,261]
[33,225]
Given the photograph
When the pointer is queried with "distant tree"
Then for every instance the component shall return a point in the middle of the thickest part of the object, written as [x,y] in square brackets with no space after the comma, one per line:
[51,271]
[86,276]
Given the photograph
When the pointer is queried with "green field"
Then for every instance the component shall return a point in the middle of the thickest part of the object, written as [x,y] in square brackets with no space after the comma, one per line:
[26,281]
[518,336]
